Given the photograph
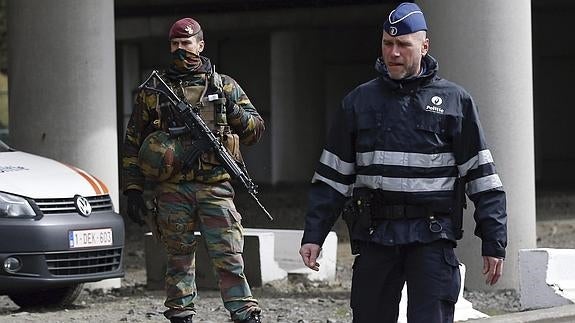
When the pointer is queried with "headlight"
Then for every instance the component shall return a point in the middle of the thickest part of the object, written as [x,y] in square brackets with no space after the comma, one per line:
[12,206]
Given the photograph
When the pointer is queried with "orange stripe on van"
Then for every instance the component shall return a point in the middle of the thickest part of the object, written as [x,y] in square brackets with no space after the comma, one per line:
[89,179]
[102,185]
[101,188]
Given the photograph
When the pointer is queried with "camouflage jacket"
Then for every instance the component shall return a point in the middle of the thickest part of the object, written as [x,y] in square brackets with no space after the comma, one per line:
[244,120]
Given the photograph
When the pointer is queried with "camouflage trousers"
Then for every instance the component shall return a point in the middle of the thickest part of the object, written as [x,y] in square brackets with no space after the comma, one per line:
[208,208]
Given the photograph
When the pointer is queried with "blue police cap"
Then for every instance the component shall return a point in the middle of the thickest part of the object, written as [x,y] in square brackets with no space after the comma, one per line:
[407,18]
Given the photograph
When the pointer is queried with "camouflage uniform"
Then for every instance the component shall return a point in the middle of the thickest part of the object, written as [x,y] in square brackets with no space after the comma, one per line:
[197,199]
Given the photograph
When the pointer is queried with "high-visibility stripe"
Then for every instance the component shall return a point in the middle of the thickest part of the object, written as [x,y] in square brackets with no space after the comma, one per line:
[398,158]
[483,184]
[483,157]
[346,190]
[333,161]
[401,184]
[93,182]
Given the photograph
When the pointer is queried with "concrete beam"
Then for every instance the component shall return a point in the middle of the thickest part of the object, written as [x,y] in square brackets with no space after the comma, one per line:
[303,19]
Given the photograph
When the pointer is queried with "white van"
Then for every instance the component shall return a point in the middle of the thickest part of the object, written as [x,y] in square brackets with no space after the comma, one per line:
[58,230]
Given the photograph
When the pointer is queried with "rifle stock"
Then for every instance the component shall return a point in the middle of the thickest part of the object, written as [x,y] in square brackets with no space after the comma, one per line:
[190,117]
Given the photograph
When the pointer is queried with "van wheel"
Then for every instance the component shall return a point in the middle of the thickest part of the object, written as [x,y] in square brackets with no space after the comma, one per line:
[53,297]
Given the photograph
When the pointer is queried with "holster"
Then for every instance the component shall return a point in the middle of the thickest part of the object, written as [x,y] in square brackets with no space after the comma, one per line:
[357,216]
[460,204]
[364,206]
[349,217]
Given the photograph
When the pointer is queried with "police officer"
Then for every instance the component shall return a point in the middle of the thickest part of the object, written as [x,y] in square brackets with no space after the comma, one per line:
[398,148]
[191,188]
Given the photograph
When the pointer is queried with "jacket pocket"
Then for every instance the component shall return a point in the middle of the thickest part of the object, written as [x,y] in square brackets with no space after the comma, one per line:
[431,122]
[367,131]
[432,128]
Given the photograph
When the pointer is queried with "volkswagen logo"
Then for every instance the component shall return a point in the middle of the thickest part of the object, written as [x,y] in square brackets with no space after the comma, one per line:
[82,205]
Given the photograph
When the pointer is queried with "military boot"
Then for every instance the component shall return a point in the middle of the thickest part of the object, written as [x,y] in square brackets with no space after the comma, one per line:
[185,319]
[254,318]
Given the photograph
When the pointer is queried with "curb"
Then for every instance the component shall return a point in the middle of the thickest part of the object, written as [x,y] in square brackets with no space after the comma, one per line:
[559,314]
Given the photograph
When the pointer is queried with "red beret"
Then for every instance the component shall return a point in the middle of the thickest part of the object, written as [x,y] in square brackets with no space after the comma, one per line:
[184,28]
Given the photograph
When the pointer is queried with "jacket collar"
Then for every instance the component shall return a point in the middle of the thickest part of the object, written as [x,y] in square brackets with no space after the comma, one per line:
[430,68]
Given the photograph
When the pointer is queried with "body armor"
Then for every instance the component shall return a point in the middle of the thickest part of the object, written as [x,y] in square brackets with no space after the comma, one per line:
[165,153]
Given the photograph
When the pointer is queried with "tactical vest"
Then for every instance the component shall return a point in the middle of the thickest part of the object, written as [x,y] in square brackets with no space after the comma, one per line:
[207,168]
[195,95]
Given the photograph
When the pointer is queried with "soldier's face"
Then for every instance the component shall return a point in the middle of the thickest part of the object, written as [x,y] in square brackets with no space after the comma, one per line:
[191,44]
[402,54]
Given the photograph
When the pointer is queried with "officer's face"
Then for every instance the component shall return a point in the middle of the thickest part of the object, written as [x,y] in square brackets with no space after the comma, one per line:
[191,44]
[402,54]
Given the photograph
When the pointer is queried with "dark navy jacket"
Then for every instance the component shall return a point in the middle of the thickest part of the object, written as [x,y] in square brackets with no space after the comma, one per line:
[409,140]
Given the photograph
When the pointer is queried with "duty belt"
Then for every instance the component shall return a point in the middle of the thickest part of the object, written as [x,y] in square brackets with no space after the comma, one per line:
[398,212]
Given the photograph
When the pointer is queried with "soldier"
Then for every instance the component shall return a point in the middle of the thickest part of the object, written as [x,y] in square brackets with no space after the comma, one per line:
[402,149]
[192,190]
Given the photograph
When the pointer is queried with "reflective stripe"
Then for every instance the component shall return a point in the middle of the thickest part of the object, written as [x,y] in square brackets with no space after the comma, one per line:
[483,184]
[406,184]
[333,161]
[398,158]
[346,190]
[482,157]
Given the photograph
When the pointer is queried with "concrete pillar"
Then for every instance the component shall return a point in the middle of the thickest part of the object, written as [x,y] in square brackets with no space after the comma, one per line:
[487,50]
[62,83]
[131,79]
[297,105]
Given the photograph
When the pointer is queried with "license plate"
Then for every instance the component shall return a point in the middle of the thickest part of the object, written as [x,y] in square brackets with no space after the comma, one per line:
[90,238]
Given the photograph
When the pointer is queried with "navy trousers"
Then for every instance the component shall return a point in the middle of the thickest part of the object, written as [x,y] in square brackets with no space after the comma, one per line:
[431,271]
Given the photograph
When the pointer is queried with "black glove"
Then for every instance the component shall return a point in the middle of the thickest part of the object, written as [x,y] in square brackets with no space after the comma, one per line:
[231,106]
[136,206]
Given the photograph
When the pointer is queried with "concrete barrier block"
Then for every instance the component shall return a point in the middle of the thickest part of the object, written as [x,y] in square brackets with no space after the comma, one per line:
[546,277]
[463,308]
[259,264]
[105,285]
[286,254]
[155,262]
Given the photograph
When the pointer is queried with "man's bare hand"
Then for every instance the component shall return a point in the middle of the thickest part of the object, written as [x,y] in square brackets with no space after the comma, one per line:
[492,269]
[309,253]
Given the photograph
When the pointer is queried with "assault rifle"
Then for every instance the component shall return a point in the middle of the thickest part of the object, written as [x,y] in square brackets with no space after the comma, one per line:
[189,115]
